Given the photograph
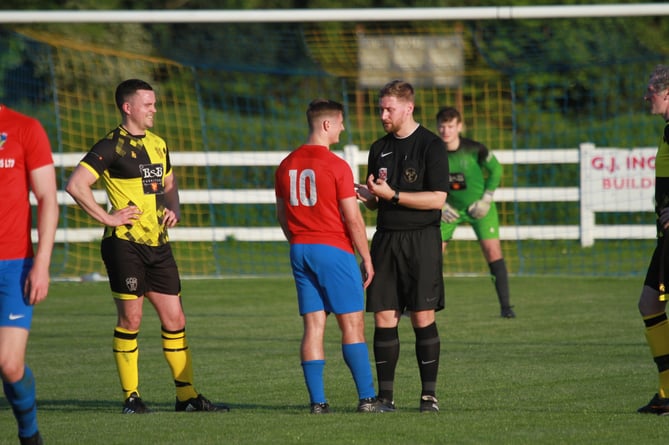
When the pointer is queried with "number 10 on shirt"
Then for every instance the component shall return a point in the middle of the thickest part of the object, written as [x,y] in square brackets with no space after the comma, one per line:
[298,187]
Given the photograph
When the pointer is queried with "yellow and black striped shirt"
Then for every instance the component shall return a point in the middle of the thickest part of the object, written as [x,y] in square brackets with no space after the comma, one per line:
[133,171]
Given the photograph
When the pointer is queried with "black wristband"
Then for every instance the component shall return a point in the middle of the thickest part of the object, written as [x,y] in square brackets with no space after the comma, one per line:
[396,197]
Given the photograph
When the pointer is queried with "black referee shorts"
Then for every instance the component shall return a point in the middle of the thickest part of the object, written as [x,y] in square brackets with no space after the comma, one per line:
[408,271]
[135,269]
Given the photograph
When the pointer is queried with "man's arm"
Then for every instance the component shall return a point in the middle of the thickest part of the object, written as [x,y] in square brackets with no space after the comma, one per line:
[172,213]
[282,218]
[79,187]
[43,186]
[427,200]
[495,170]
[358,232]
[490,165]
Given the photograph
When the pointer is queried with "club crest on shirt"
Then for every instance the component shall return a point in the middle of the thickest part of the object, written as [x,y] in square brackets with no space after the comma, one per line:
[3,139]
[410,175]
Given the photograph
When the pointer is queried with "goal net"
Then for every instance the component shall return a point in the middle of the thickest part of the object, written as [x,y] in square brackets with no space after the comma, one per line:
[545,95]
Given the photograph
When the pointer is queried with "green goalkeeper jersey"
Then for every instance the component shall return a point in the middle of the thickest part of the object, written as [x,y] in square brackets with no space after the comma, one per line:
[473,170]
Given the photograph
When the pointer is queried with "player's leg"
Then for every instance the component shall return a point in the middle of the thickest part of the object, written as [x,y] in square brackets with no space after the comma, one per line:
[487,231]
[428,345]
[125,272]
[18,380]
[383,300]
[356,357]
[125,347]
[312,356]
[177,353]
[164,292]
[386,352]
[340,281]
[426,296]
[312,308]
[15,322]
[492,251]
[657,335]
[175,342]
[355,352]
[653,312]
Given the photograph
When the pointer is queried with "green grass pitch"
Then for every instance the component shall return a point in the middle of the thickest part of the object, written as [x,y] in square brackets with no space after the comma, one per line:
[571,369]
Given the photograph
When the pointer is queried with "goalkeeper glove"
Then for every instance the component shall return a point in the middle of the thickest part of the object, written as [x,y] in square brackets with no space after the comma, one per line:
[479,209]
[449,214]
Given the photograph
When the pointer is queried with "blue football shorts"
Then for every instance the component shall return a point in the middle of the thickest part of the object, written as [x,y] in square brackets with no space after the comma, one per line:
[327,279]
[15,311]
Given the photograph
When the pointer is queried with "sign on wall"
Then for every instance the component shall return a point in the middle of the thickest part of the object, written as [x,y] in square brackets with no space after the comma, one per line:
[614,180]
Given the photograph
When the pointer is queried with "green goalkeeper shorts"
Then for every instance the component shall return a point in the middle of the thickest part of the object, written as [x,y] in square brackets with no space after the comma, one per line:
[485,228]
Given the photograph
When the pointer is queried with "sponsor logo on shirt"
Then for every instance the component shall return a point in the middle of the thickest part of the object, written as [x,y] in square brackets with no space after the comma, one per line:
[152,178]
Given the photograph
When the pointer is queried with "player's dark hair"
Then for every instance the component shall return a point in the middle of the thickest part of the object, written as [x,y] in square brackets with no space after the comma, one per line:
[399,89]
[322,107]
[447,114]
[127,88]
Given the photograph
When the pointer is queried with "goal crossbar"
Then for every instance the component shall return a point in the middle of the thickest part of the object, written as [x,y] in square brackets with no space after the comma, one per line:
[334,14]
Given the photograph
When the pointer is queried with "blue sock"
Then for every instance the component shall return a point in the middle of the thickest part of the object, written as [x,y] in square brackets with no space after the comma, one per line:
[21,396]
[356,356]
[313,377]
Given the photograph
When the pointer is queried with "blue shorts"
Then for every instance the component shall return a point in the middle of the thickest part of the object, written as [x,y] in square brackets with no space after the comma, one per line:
[327,279]
[15,312]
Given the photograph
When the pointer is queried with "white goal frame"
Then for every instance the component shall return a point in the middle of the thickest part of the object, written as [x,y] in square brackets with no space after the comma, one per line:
[334,14]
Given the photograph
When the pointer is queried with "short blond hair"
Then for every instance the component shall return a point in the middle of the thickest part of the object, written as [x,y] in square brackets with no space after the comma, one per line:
[399,89]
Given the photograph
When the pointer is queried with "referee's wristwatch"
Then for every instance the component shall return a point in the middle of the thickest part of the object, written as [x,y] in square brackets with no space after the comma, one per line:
[396,197]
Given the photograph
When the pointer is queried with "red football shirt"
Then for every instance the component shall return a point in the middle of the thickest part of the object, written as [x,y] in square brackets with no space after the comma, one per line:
[24,146]
[311,181]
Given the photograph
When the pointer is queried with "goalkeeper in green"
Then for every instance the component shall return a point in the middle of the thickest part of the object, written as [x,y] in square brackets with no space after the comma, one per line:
[475,173]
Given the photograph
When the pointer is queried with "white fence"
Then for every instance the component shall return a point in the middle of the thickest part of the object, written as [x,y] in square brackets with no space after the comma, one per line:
[611,179]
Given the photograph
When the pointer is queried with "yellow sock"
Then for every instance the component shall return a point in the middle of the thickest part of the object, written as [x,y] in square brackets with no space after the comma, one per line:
[177,354]
[126,354]
[657,335]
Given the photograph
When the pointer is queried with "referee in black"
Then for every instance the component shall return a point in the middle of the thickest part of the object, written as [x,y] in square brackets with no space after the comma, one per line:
[407,182]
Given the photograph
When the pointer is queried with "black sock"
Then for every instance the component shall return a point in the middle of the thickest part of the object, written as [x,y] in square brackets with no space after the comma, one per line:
[427,353]
[386,354]
[500,278]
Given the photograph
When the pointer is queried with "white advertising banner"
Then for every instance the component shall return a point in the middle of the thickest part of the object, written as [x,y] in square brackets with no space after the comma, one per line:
[616,180]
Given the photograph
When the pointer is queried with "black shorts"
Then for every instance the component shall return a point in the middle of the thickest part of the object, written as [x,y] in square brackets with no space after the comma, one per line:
[653,274]
[135,269]
[408,271]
